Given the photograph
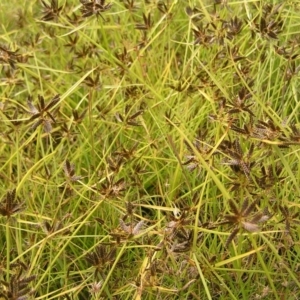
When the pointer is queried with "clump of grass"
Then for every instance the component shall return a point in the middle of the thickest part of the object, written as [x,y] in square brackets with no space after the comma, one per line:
[149,150]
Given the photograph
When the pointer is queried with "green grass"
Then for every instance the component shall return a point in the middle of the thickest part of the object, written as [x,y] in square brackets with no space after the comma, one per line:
[150,151]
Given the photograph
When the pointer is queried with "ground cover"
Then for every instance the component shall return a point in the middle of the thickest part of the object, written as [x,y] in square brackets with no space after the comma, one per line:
[149,149]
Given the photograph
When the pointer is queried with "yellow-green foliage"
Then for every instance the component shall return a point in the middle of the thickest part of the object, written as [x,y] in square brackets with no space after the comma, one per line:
[149,149]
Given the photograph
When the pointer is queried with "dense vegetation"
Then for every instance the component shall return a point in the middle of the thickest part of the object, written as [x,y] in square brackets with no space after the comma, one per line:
[149,149]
